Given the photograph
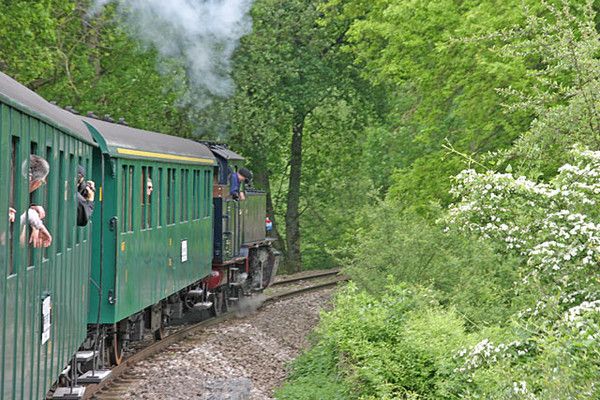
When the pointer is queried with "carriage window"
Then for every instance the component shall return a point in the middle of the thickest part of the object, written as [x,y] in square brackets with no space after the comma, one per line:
[149,196]
[143,195]
[200,194]
[69,181]
[78,231]
[183,206]
[88,169]
[13,198]
[60,202]
[182,197]
[158,195]
[207,194]
[147,189]
[46,199]
[195,196]
[127,199]
[171,196]
[130,199]
[200,202]
[124,199]
[34,198]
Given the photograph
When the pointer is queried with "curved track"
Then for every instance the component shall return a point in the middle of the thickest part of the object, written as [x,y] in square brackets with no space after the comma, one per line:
[109,389]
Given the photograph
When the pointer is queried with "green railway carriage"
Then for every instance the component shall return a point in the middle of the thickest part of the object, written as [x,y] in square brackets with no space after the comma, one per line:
[148,246]
[43,302]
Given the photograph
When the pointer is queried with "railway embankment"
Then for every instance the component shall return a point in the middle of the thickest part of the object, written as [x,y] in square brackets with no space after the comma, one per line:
[243,358]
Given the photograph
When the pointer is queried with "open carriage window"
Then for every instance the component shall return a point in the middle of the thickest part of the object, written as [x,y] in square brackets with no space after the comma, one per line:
[147,189]
[207,194]
[196,195]
[143,196]
[127,199]
[60,199]
[13,200]
[158,191]
[184,201]
[171,202]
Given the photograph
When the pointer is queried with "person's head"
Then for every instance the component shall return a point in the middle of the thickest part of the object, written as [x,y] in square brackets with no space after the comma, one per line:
[80,173]
[149,187]
[244,174]
[38,171]
[81,184]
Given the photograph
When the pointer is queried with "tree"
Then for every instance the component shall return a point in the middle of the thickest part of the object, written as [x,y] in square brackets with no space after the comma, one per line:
[89,63]
[287,71]
[438,58]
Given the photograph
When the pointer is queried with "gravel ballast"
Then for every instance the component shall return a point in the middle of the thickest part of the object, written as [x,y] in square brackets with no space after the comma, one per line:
[240,359]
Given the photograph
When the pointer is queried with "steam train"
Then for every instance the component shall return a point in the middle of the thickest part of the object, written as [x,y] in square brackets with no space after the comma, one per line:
[142,261]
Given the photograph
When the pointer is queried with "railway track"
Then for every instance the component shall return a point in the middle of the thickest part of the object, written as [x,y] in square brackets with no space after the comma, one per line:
[114,386]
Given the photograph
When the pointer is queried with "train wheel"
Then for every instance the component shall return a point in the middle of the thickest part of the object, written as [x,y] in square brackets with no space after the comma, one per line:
[189,301]
[160,333]
[115,347]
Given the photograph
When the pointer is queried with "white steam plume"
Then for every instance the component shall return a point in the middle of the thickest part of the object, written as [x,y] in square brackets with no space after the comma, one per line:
[203,34]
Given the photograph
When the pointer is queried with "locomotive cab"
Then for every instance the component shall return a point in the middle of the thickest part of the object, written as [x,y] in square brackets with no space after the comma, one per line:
[243,254]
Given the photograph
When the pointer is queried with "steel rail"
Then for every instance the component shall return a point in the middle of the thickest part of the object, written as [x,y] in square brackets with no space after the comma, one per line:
[118,371]
[307,277]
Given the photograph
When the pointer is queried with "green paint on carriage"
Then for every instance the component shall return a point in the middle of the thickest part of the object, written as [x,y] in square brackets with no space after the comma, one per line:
[157,244]
[28,124]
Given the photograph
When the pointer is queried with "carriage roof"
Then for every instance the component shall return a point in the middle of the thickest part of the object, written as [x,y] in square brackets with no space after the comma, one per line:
[126,142]
[29,102]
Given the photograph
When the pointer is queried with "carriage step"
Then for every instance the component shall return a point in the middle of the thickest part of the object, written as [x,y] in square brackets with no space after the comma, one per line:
[234,269]
[94,376]
[205,305]
[196,292]
[233,299]
[85,356]
[69,393]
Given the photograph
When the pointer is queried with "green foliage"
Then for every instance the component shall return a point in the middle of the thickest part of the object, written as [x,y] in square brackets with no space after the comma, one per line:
[446,73]
[517,287]
[397,346]
[467,272]
[315,376]
[563,95]
[89,62]
[28,32]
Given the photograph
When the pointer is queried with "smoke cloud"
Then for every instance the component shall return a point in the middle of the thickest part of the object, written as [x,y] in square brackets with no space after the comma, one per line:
[202,34]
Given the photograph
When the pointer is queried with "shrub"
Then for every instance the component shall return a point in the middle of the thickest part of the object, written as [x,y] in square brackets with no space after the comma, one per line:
[398,346]
[466,271]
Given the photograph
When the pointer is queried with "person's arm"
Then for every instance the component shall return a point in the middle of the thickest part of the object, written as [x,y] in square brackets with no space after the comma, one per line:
[33,217]
[234,188]
[85,208]
[39,236]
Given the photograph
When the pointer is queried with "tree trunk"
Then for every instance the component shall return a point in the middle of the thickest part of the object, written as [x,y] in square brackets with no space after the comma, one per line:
[264,183]
[292,221]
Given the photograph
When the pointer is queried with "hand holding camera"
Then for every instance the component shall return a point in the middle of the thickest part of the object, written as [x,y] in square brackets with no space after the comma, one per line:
[90,191]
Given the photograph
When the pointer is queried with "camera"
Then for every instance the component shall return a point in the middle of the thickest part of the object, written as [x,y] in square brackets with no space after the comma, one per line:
[84,188]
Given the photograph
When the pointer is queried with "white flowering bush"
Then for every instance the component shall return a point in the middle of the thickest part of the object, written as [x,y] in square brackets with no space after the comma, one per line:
[555,227]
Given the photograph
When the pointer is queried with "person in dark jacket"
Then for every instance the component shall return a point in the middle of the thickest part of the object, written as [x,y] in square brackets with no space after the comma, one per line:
[237,178]
[85,197]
